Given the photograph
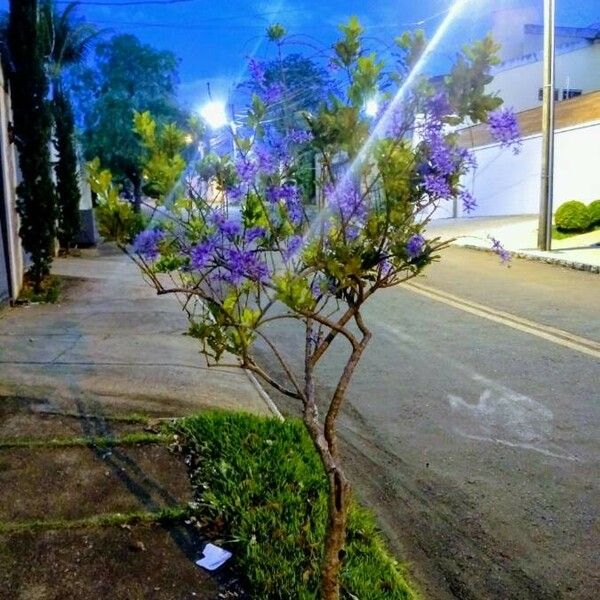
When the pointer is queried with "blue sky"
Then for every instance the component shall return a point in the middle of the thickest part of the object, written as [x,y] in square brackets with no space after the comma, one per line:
[213,38]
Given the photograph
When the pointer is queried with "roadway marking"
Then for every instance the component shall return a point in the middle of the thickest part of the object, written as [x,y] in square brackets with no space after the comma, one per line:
[550,334]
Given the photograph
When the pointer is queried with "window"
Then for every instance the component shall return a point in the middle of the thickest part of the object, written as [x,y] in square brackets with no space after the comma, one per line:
[541,94]
[569,93]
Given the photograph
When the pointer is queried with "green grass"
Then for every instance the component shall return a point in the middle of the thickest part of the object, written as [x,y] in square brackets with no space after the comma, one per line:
[166,515]
[563,235]
[262,484]
[50,292]
[128,439]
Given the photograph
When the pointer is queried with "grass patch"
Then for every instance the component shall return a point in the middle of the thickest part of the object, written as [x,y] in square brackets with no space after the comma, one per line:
[563,235]
[262,484]
[129,439]
[166,515]
[49,294]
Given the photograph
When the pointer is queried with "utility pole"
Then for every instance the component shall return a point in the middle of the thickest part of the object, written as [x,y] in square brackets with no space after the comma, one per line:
[547,183]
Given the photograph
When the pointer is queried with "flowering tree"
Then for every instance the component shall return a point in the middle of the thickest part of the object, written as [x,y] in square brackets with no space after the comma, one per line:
[273,262]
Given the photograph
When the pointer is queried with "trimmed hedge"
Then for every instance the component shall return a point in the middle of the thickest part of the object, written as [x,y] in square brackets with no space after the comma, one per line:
[573,216]
[594,209]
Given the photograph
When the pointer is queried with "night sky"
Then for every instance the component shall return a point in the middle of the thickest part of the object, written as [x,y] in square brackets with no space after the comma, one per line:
[213,38]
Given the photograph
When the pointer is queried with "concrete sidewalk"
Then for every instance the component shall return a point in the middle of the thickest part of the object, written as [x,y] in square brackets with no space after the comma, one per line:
[113,343]
[519,235]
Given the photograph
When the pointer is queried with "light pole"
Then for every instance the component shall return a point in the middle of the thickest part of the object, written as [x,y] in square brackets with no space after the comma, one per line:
[547,183]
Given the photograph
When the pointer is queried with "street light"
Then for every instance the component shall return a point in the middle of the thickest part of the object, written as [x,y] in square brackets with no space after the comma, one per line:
[371,107]
[546,192]
[214,114]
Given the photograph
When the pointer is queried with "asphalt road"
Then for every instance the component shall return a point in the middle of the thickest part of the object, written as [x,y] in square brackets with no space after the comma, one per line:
[471,427]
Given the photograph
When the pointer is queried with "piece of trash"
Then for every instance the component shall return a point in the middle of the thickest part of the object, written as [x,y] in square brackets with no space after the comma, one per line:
[213,557]
[138,545]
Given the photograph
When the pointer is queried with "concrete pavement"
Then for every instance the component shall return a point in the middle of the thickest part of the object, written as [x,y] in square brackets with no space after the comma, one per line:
[113,342]
[519,235]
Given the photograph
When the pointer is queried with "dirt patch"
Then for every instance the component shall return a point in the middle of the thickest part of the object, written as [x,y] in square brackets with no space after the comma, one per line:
[72,483]
[146,562]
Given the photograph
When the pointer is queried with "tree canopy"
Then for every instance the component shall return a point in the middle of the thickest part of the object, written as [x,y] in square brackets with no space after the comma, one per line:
[128,76]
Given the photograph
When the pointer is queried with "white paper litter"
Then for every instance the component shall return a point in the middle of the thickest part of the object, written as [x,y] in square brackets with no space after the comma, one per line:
[213,557]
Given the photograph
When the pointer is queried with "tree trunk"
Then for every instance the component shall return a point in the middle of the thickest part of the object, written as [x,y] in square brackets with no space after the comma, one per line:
[336,535]
[137,194]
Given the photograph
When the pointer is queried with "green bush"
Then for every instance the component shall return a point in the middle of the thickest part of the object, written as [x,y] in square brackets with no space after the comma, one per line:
[263,483]
[573,216]
[594,210]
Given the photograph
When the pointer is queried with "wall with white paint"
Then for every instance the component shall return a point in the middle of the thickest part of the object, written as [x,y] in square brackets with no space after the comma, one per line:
[518,81]
[508,184]
[10,174]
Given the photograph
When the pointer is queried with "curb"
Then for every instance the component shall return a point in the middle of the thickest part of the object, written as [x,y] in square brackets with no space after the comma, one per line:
[263,394]
[562,262]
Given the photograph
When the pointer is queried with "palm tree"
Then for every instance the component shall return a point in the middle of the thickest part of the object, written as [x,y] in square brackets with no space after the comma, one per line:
[65,43]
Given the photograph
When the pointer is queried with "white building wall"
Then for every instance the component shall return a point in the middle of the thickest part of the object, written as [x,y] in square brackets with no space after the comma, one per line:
[10,175]
[508,184]
[519,81]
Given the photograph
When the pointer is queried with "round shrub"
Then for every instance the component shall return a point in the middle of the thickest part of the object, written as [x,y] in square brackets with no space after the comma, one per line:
[573,216]
[594,210]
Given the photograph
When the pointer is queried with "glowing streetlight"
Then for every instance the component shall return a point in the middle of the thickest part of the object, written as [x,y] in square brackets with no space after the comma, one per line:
[214,114]
[371,107]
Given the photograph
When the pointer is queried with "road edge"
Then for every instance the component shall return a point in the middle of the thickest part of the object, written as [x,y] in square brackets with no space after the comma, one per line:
[562,262]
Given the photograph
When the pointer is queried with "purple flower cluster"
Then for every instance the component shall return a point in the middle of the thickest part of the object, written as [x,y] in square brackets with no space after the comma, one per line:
[289,195]
[438,106]
[346,200]
[469,203]
[201,255]
[436,186]
[500,250]
[246,170]
[257,71]
[267,160]
[225,226]
[273,93]
[293,245]
[299,136]
[243,264]
[146,243]
[504,128]
[415,245]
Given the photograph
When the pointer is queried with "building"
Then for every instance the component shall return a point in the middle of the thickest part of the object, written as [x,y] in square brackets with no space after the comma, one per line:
[11,251]
[518,79]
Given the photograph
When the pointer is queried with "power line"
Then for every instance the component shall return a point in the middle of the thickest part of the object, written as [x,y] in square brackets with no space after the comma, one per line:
[126,3]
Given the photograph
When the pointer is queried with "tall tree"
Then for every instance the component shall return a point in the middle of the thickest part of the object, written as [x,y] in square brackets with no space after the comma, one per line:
[129,76]
[65,43]
[32,124]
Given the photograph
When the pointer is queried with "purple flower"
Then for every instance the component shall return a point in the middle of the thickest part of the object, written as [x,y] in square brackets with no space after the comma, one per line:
[469,203]
[257,71]
[385,267]
[146,243]
[267,162]
[246,170]
[254,233]
[225,226]
[293,244]
[436,186]
[242,264]
[500,250]
[504,128]
[201,255]
[466,159]
[415,245]
[438,106]
[299,136]
[346,200]
[273,93]
[235,194]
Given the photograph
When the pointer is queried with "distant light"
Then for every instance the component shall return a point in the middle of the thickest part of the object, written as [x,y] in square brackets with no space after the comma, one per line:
[371,107]
[214,114]
[188,138]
